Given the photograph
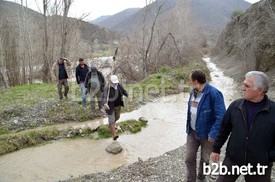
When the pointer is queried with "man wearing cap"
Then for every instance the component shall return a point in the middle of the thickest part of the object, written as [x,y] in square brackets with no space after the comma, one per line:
[60,73]
[112,99]
[80,73]
[95,83]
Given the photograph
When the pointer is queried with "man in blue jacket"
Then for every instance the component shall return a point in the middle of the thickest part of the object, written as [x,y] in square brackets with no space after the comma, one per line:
[250,123]
[205,111]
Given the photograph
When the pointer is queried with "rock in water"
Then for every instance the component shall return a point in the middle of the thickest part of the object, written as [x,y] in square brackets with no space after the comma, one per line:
[114,148]
[143,119]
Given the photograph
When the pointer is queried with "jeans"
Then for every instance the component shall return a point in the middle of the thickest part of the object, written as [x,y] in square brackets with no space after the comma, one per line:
[192,145]
[83,92]
[248,178]
[59,88]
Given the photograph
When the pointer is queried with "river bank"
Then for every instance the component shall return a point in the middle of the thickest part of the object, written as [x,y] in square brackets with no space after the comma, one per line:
[166,168]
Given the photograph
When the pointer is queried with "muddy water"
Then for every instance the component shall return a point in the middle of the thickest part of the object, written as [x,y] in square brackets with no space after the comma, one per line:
[65,158]
[225,84]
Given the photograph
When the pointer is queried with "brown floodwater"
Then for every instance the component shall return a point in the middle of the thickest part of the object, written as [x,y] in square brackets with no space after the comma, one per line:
[64,158]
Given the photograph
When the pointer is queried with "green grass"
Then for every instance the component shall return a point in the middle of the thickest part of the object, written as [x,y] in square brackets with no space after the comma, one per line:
[131,126]
[104,132]
[12,142]
[104,51]
[16,141]
[155,84]
[3,131]
[167,80]
[27,95]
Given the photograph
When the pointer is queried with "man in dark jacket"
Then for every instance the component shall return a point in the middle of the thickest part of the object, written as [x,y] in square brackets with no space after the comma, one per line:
[80,74]
[251,123]
[112,99]
[95,83]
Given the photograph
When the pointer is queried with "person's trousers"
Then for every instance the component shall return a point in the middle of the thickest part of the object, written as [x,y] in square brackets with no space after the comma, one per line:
[83,92]
[59,88]
[192,145]
[115,115]
[96,96]
[248,178]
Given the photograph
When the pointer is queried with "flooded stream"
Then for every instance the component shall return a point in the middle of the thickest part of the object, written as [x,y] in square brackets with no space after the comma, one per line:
[65,158]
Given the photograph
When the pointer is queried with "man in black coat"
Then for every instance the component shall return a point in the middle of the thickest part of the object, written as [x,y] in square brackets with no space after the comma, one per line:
[113,100]
[250,123]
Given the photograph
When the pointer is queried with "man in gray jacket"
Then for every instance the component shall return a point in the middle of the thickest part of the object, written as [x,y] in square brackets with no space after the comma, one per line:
[60,73]
[95,83]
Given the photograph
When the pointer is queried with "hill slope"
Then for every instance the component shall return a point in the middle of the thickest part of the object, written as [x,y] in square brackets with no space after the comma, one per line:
[248,42]
[112,21]
[100,19]
[210,15]
[12,11]
[249,39]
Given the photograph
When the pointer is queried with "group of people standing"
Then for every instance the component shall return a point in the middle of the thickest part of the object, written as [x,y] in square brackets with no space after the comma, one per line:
[248,122]
[91,80]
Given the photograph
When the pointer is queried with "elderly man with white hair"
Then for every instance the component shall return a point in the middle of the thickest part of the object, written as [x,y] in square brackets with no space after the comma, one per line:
[250,126]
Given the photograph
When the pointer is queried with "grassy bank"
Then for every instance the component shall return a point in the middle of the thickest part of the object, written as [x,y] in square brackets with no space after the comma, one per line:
[167,81]
[16,141]
[27,95]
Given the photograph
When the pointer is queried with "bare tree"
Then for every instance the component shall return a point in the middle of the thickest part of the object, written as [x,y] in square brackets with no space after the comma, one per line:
[169,38]
[10,54]
[46,62]
[24,31]
[148,47]
[64,29]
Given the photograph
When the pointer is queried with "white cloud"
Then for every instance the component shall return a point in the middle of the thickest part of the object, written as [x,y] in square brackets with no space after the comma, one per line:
[252,1]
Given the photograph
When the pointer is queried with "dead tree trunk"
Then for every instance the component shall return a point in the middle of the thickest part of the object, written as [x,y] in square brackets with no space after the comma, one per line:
[64,30]
[46,62]
[148,47]
[27,43]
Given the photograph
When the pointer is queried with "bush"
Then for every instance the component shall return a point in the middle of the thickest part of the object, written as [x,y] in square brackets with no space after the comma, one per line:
[236,13]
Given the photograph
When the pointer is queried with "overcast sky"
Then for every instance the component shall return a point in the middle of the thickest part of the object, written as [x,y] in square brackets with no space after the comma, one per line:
[252,1]
[97,8]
